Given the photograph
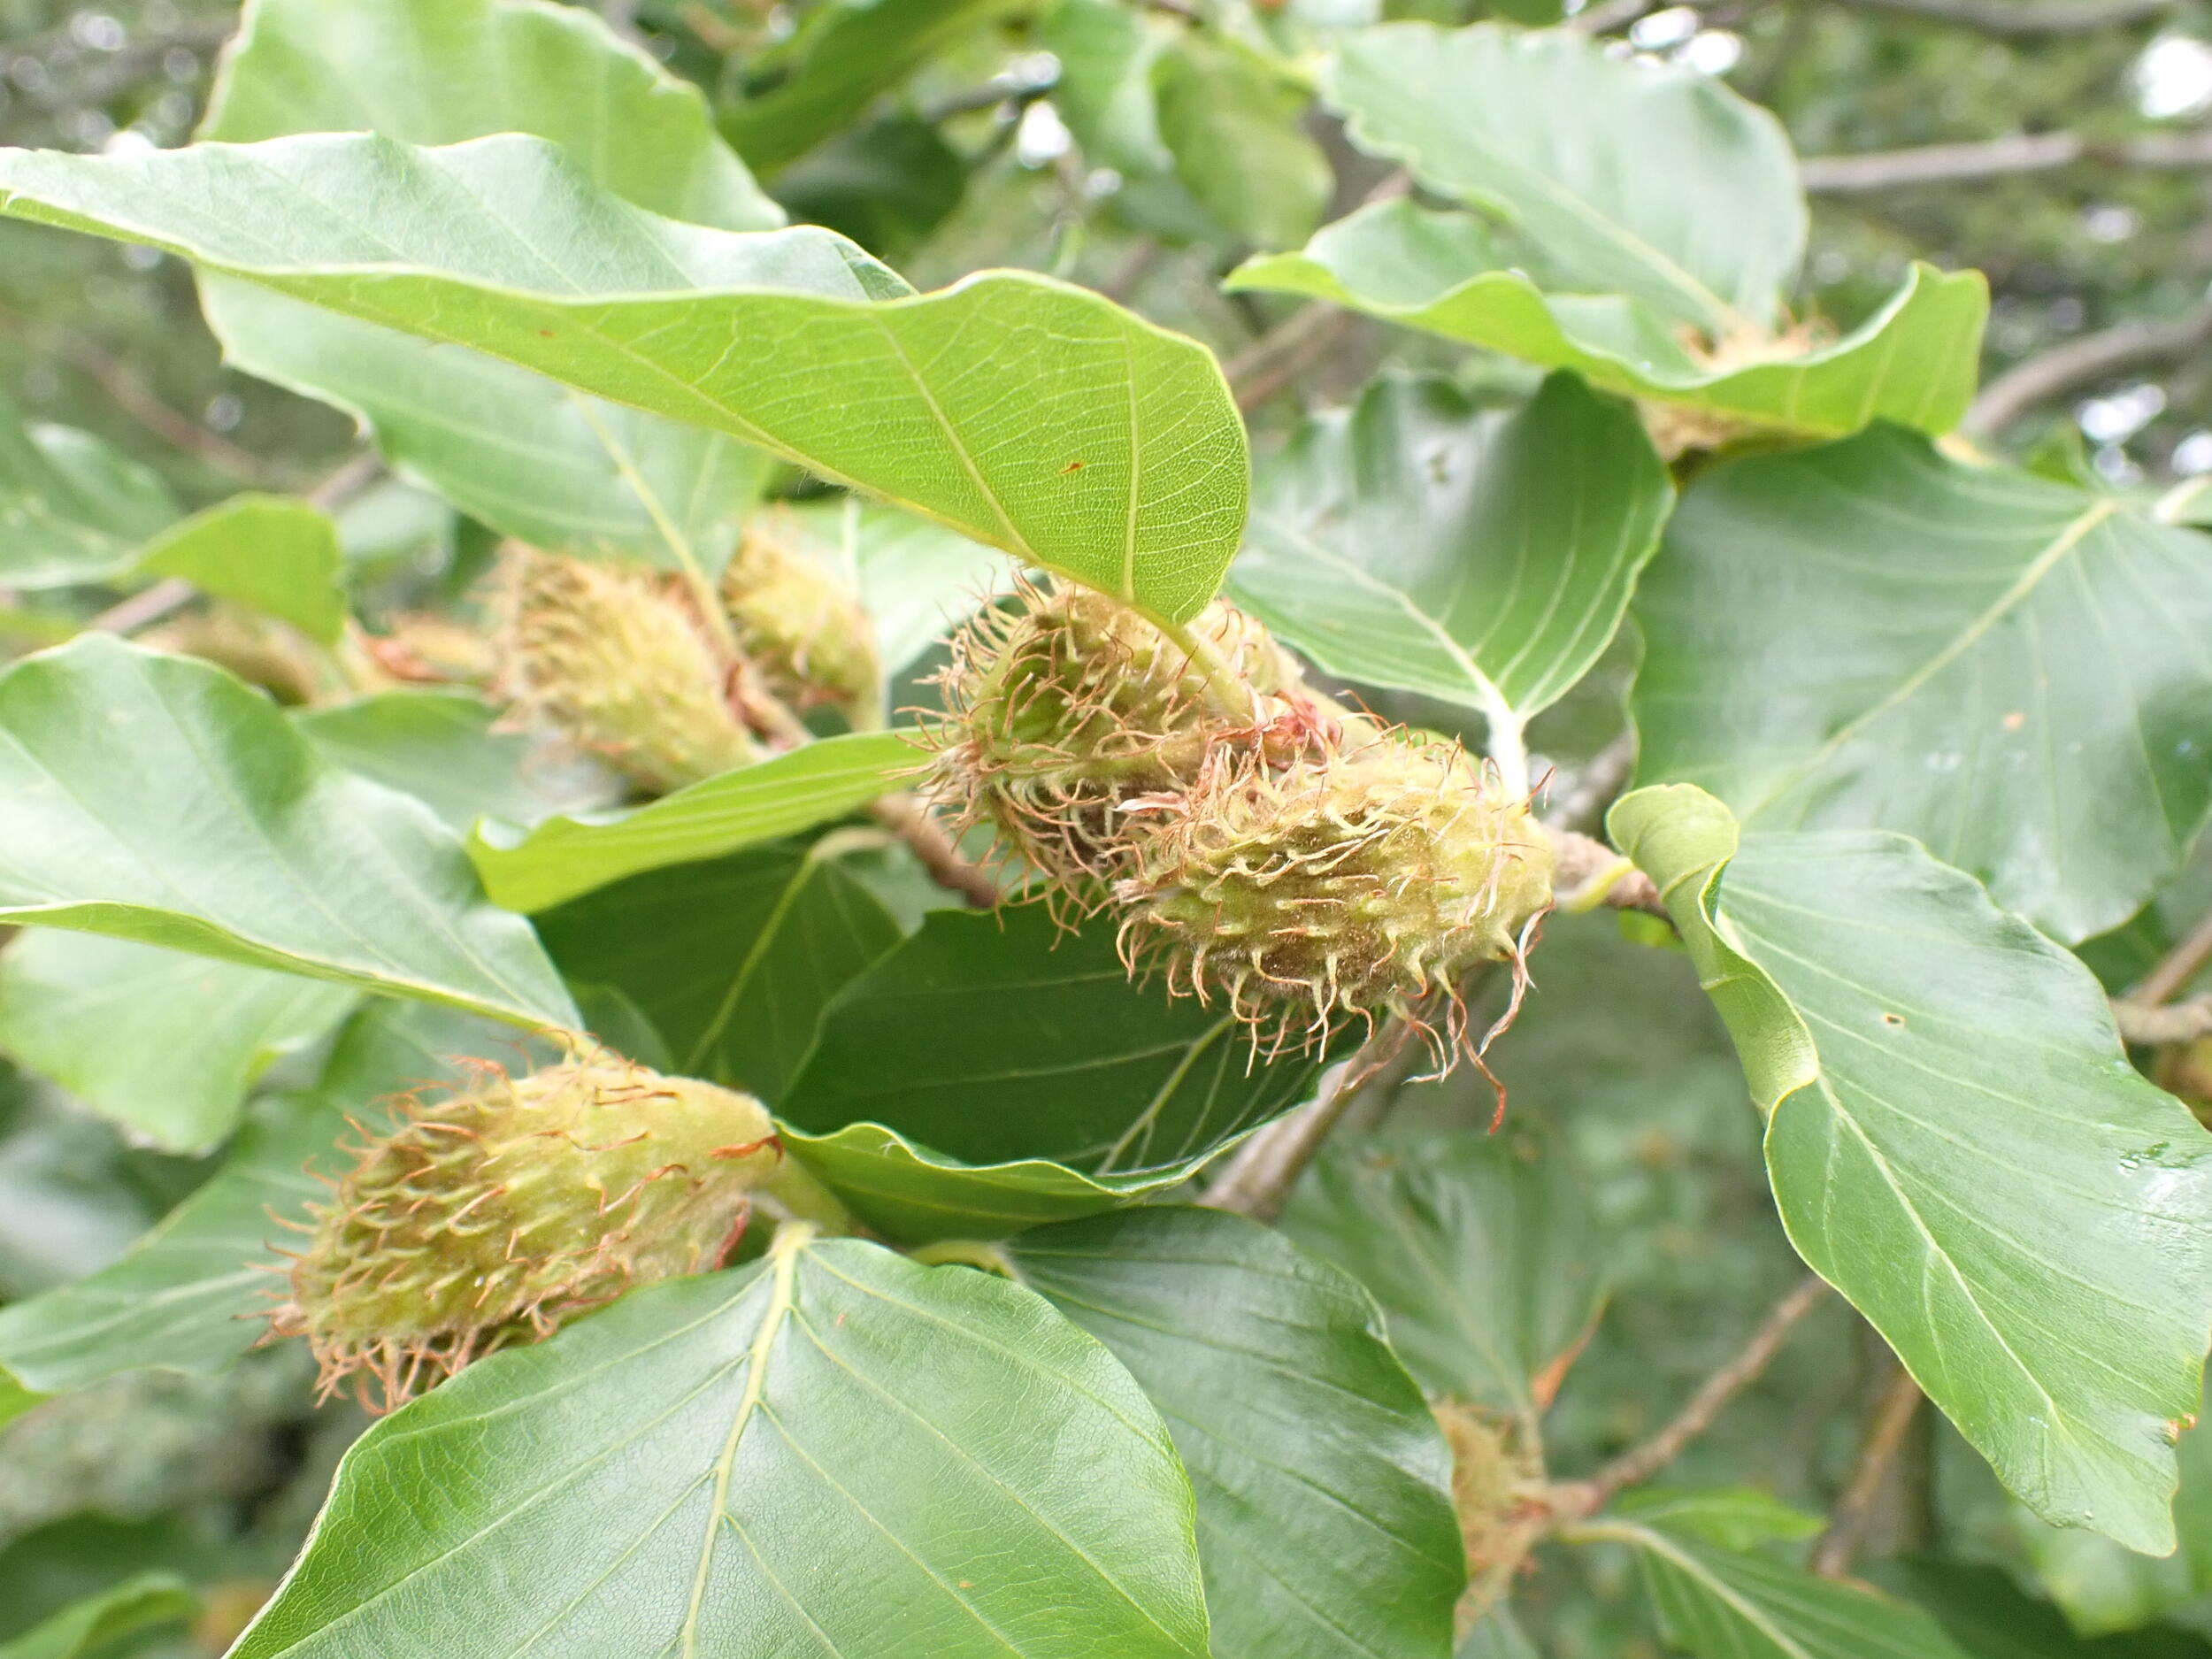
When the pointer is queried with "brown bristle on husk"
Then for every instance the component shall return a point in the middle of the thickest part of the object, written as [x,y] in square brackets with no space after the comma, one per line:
[619,663]
[1068,704]
[1338,889]
[487,1217]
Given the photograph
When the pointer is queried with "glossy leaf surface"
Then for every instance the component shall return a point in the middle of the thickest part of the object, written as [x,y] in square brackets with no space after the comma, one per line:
[2034,1239]
[262,854]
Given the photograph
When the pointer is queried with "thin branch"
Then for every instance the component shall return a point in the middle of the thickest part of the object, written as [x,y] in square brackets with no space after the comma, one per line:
[2026,16]
[905,816]
[1607,16]
[2084,363]
[2154,1028]
[1884,1433]
[1998,158]
[136,399]
[1572,1500]
[2179,966]
[1259,1179]
[145,607]
[1580,798]
[348,480]
[1586,874]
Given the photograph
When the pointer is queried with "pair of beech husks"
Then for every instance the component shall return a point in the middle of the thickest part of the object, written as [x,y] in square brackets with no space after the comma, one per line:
[1308,869]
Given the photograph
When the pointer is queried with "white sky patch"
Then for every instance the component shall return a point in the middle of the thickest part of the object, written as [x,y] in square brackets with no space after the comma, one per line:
[2173,78]
[1043,137]
[1711,51]
[1655,31]
[2119,417]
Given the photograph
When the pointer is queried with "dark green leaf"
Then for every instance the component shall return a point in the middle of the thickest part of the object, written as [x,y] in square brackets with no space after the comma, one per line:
[1988,1617]
[2033,1237]
[149,1599]
[1324,1517]
[1868,634]
[731,962]
[564,857]
[991,1038]
[834,1450]
[1481,1249]
[886,184]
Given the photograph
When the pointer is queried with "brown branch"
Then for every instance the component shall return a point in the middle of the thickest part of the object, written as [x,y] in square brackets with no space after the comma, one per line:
[1587,873]
[1998,158]
[2154,1026]
[1259,1179]
[1574,1500]
[2176,967]
[145,607]
[2026,17]
[1884,1433]
[905,816]
[2086,361]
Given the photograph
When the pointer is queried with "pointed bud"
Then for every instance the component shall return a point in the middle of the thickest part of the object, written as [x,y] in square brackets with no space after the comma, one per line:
[804,630]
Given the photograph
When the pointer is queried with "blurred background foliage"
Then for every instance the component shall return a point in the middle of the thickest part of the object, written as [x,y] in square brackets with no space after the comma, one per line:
[991,133]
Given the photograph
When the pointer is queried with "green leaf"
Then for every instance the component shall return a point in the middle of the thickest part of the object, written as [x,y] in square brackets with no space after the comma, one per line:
[1957,1143]
[995,1037]
[564,857]
[148,1599]
[732,963]
[72,508]
[1231,122]
[445,749]
[1106,52]
[918,1197]
[274,553]
[846,54]
[532,459]
[1483,557]
[834,1450]
[1723,1604]
[1913,361]
[1497,1635]
[1660,184]
[165,1045]
[15,1398]
[1988,1617]
[259,853]
[188,1295]
[1323,1484]
[1039,417]
[1868,634]
[1482,1251]
[1734,1518]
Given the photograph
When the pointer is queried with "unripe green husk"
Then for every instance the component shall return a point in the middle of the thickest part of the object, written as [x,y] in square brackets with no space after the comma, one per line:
[621,665]
[1063,709]
[1337,889]
[803,631]
[488,1216]
[1497,1493]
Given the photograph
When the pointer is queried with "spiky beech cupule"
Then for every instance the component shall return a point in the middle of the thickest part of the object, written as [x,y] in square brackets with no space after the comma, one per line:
[804,630]
[1337,889]
[619,663]
[487,1217]
[1066,706]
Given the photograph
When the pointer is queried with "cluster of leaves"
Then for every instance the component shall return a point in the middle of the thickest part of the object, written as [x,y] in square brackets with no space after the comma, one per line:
[1910,725]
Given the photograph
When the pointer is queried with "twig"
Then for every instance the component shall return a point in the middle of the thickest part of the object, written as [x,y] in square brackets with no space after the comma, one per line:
[1997,158]
[2154,1028]
[1122,280]
[2026,16]
[1260,1177]
[145,607]
[1572,1500]
[2085,362]
[346,481]
[1587,873]
[1885,1434]
[1579,800]
[905,816]
[137,400]
[2175,969]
